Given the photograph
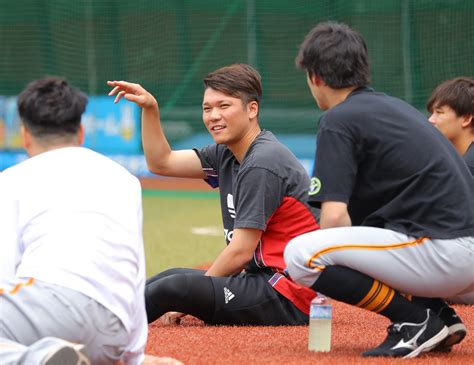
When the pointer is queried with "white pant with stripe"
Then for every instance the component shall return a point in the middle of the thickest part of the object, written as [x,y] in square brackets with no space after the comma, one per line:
[34,315]
[421,267]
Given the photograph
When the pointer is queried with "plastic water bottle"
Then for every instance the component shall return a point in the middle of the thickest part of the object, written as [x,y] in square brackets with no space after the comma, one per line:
[320,318]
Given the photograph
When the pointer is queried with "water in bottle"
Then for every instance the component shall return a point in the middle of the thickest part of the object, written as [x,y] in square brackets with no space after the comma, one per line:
[320,318]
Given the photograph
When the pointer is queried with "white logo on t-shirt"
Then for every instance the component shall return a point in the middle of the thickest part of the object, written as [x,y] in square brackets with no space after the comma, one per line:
[230,205]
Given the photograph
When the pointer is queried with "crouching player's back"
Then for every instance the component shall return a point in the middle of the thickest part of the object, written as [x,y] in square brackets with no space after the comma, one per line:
[73,274]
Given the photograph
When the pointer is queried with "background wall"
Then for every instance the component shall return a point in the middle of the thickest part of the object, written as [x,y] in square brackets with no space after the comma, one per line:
[169,45]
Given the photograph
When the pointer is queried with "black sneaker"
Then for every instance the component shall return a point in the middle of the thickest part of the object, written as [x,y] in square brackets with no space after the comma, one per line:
[456,329]
[410,339]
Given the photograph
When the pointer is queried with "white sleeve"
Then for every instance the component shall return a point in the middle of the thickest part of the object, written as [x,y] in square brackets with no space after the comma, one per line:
[135,352]
[9,240]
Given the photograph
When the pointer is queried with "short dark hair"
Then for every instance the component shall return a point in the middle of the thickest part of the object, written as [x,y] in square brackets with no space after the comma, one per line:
[456,93]
[51,107]
[239,80]
[336,54]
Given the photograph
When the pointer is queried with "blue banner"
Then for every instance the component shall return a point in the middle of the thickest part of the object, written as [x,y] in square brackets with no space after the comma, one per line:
[109,128]
[112,128]
[9,124]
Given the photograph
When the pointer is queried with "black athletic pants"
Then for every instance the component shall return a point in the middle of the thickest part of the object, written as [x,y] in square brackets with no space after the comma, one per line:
[243,299]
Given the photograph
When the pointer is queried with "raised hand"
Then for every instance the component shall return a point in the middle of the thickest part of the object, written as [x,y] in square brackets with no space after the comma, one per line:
[132,92]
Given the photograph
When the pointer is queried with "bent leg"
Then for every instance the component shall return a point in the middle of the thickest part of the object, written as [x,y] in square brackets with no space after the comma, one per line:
[245,299]
[407,264]
[360,266]
[363,265]
[33,310]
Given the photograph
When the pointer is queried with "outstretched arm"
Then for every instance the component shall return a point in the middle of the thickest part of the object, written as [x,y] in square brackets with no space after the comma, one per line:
[159,156]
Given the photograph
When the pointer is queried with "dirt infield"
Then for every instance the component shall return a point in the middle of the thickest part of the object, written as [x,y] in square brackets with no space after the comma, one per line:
[354,331]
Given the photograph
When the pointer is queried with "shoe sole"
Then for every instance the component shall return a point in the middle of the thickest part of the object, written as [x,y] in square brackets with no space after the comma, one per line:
[70,355]
[456,334]
[430,344]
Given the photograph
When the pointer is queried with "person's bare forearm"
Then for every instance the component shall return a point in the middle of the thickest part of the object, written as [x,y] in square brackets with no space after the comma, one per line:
[334,214]
[237,254]
[155,145]
[229,262]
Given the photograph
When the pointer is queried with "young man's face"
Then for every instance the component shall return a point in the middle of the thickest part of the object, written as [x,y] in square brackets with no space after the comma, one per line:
[447,121]
[225,117]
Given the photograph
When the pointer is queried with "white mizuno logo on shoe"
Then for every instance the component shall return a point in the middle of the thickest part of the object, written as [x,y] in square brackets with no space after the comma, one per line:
[228,295]
[411,344]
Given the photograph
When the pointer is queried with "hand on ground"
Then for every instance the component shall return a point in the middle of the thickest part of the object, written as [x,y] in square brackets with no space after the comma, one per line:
[171,318]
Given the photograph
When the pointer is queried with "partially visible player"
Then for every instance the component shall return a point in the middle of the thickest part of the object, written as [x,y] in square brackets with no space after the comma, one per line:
[72,272]
[262,190]
[397,205]
[452,111]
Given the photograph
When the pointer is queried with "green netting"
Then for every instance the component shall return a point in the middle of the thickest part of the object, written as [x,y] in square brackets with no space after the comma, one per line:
[169,45]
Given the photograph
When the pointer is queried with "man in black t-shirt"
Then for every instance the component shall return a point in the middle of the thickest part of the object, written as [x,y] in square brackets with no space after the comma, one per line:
[396,202]
[263,201]
[452,111]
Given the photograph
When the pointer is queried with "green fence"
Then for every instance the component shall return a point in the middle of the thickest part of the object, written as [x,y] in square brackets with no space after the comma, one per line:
[169,45]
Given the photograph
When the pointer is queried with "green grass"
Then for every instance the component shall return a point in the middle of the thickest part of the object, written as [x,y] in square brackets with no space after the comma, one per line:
[168,220]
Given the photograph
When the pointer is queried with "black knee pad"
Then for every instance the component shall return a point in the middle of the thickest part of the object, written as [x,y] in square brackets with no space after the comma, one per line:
[174,271]
[187,293]
[172,287]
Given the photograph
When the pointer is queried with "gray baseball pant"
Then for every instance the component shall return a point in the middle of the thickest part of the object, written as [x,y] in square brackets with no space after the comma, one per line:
[31,312]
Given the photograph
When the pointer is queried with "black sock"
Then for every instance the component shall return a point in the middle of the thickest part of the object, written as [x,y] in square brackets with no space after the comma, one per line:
[435,304]
[352,287]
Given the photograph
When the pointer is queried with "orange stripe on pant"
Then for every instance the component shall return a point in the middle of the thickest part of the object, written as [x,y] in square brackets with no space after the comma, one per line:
[18,286]
[361,247]
[380,295]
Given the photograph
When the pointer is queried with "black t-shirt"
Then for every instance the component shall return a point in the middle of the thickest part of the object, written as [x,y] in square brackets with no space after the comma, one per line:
[252,191]
[469,158]
[395,170]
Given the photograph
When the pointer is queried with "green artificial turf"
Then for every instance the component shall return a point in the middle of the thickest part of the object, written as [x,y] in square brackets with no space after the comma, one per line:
[169,219]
